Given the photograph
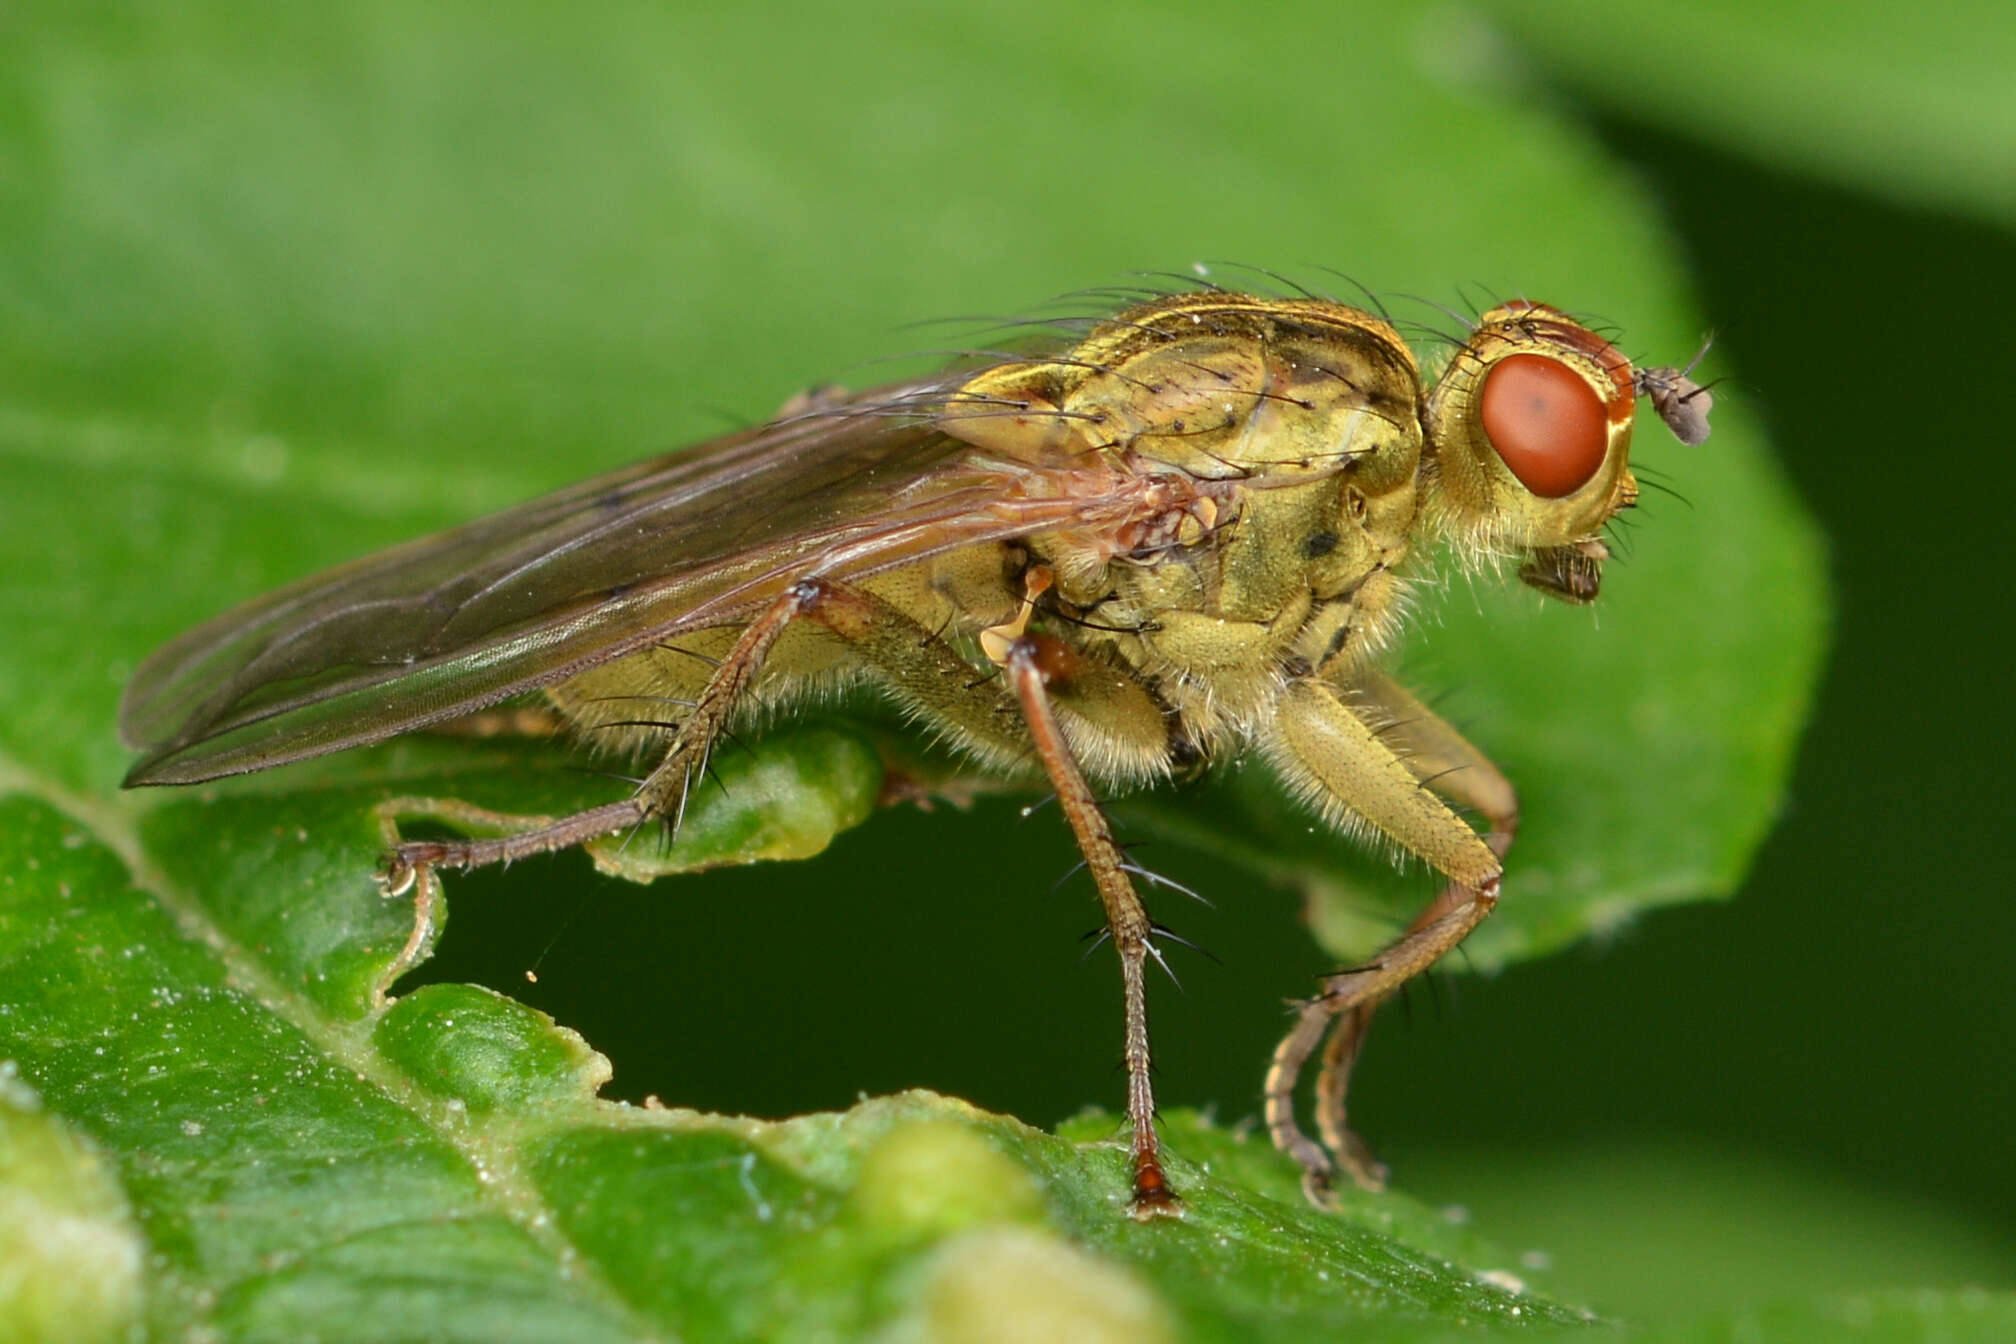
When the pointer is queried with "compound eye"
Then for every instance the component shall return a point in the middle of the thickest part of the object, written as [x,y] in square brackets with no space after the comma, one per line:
[1546,423]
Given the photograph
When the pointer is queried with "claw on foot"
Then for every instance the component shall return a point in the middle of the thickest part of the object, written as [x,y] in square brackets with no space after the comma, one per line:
[397,875]
[1318,1189]
[1153,1197]
[1368,1171]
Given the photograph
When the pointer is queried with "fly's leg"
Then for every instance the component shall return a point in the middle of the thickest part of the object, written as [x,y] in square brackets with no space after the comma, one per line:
[1034,664]
[1443,760]
[1383,762]
[662,793]
[919,668]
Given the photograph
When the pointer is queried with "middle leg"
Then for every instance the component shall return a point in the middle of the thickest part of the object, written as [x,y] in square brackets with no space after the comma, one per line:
[1035,664]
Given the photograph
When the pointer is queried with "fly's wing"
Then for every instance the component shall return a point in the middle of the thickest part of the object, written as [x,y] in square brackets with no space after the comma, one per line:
[450,623]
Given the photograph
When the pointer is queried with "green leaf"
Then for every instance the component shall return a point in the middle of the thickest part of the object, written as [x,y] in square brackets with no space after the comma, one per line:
[279,286]
[440,1169]
[1922,111]
[781,798]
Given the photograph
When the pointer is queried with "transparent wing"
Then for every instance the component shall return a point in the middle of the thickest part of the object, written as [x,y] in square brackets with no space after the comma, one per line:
[450,623]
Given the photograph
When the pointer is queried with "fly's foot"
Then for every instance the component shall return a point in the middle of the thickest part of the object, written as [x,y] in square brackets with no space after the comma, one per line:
[1319,1184]
[1358,1162]
[1319,1187]
[416,861]
[1153,1197]
[397,873]
[402,874]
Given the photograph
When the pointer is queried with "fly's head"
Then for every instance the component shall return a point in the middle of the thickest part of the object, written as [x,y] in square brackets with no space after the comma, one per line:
[1529,442]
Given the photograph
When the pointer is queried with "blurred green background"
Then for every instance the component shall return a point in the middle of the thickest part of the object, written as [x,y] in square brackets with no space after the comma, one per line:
[1807,1089]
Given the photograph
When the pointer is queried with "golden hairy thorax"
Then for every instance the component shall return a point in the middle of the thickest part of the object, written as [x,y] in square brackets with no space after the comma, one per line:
[1186,536]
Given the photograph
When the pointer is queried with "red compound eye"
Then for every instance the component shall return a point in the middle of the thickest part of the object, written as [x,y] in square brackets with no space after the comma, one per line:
[1546,422]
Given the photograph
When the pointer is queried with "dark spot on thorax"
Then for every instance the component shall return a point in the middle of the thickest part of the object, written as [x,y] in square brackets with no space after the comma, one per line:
[1319,544]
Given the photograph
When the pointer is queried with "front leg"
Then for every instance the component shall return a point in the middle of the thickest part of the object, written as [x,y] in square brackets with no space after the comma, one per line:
[1443,760]
[1374,762]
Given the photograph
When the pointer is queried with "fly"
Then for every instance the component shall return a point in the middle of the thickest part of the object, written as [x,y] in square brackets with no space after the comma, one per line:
[1184,537]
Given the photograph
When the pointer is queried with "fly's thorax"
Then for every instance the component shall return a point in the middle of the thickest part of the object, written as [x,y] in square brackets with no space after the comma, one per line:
[1316,540]
[1529,436]
[1298,420]
[1217,386]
